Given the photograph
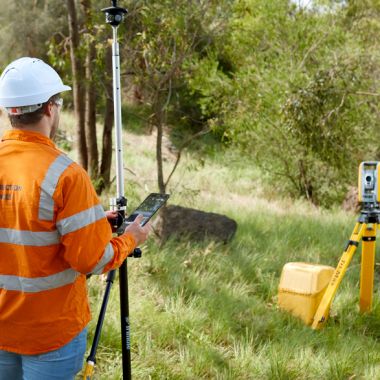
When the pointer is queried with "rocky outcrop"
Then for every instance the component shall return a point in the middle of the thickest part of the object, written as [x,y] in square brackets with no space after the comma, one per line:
[177,221]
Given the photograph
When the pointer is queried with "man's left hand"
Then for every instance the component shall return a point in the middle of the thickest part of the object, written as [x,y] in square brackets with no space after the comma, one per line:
[112,219]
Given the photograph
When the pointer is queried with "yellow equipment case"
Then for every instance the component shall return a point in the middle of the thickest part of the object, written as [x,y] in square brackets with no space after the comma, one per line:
[301,288]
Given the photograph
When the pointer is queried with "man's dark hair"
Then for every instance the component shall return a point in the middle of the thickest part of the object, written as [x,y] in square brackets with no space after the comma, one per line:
[31,117]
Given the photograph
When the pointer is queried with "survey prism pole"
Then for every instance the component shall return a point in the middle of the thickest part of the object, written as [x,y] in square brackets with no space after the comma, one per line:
[122,205]
[117,115]
[114,16]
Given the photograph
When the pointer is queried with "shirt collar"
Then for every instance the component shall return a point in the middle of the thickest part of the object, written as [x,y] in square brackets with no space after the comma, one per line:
[28,136]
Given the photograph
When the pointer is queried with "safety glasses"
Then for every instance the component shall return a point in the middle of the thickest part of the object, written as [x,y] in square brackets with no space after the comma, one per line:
[58,102]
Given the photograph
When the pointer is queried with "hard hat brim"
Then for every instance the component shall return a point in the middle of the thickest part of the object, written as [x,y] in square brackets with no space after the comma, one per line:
[31,98]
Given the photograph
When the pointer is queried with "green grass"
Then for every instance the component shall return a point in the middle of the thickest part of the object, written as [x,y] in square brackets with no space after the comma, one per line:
[208,310]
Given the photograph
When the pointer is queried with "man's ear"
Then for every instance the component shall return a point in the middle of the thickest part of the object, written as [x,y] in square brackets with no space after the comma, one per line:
[48,109]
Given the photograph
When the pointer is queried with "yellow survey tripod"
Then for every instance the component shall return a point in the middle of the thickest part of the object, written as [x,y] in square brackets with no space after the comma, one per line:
[365,232]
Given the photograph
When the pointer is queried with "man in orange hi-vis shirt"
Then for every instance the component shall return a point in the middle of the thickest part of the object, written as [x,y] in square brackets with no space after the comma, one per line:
[53,232]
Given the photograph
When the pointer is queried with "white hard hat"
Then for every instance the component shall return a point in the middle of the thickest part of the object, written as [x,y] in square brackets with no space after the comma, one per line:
[29,82]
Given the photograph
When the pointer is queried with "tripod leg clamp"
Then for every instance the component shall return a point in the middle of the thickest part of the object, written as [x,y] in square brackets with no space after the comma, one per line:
[137,253]
[369,238]
[351,242]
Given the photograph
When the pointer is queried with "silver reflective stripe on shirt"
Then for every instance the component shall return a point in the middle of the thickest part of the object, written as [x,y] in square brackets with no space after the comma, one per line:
[36,239]
[48,186]
[107,257]
[80,220]
[38,284]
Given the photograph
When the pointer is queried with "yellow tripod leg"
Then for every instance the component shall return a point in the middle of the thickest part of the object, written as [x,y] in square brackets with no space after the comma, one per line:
[367,268]
[322,312]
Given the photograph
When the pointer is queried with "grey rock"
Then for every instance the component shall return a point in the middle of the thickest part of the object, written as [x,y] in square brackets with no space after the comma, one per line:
[178,222]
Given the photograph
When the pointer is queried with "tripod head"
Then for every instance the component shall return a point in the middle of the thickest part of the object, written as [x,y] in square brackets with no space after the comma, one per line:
[369,191]
[114,14]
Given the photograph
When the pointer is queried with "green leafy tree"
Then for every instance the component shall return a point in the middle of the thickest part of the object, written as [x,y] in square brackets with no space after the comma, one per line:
[166,40]
[26,25]
[300,97]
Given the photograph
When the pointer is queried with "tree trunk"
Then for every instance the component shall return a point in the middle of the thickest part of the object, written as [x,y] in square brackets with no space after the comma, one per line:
[105,168]
[93,156]
[160,131]
[90,95]
[78,90]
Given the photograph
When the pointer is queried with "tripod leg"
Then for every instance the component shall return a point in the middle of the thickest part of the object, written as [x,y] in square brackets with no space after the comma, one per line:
[91,360]
[323,309]
[367,268]
[124,318]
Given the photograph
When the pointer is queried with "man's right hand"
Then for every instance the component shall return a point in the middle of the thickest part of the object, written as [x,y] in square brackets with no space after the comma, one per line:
[139,233]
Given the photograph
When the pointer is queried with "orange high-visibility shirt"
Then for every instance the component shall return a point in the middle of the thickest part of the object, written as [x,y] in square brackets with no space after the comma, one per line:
[53,231]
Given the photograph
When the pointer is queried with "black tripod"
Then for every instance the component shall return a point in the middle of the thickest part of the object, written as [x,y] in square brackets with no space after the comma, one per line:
[114,16]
